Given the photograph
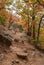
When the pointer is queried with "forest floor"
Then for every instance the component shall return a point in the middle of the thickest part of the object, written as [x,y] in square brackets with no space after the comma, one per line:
[21,52]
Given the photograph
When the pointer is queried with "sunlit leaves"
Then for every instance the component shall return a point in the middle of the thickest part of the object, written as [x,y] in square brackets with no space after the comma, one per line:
[2,19]
[32,1]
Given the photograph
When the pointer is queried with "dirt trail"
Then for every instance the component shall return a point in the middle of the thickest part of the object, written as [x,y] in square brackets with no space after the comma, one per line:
[19,48]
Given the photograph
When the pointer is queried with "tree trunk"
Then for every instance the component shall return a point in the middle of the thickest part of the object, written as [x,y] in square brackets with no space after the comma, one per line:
[28,28]
[39,28]
[33,30]
[33,18]
[10,21]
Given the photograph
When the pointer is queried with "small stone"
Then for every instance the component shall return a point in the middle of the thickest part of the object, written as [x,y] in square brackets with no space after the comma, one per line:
[1,57]
[13,62]
[33,54]
[25,50]
[22,55]
[16,40]
[41,55]
[17,61]
[25,61]
[20,41]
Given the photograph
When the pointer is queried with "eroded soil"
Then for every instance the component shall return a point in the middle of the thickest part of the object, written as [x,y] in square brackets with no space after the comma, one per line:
[8,56]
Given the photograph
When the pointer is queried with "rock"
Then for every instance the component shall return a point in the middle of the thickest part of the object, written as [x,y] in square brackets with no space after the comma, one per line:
[41,54]
[6,35]
[33,54]
[20,41]
[22,55]
[16,40]
[6,50]
[1,57]
[25,50]
[13,62]
[25,61]
[15,49]
[17,61]
[23,41]
[5,40]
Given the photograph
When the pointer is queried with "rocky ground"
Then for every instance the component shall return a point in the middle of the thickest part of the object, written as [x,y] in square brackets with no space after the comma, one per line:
[21,52]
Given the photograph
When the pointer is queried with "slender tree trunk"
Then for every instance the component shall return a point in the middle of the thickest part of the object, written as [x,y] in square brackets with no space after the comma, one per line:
[10,21]
[39,28]
[33,18]
[33,30]
[29,28]
[28,25]
[33,21]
